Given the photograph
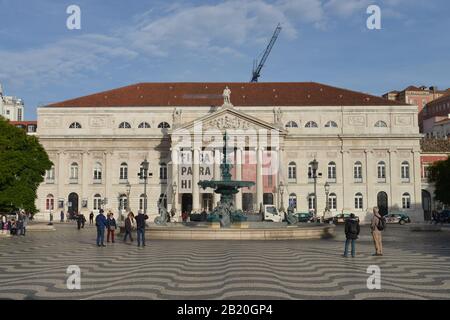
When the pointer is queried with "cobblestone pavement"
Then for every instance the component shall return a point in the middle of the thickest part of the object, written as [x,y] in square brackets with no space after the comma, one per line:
[416,265]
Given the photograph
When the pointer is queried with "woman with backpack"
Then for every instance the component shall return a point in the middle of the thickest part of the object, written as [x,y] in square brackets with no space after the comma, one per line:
[351,233]
[378,224]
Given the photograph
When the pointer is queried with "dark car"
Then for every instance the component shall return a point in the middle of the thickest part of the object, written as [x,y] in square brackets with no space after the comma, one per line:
[444,216]
[397,217]
[304,216]
[342,217]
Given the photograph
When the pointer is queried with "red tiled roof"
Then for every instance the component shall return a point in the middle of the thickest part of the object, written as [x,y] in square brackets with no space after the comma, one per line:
[25,123]
[445,97]
[242,94]
[413,88]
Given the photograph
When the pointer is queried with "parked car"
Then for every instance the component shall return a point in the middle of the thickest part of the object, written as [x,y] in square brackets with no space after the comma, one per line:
[397,217]
[304,216]
[341,218]
[444,216]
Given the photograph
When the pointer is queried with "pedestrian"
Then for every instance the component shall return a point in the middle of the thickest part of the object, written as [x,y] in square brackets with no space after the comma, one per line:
[91,218]
[83,221]
[112,226]
[140,227]
[68,216]
[3,224]
[184,216]
[25,223]
[62,216]
[5,227]
[129,226]
[377,226]
[13,227]
[19,223]
[100,223]
[351,233]
[51,219]
[79,220]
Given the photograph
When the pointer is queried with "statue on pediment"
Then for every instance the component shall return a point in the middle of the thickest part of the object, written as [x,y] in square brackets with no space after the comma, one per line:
[227,96]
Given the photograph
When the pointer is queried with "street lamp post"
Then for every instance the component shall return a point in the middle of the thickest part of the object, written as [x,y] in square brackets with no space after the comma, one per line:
[281,188]
[314,167]
[327,192]
[144,175]
[128,186]
[174,193]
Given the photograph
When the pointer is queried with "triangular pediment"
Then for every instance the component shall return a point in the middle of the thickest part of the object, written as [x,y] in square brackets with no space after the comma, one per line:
[228,119]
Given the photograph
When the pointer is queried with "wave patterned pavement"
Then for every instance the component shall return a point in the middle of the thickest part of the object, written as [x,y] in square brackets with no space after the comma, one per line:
[415,266]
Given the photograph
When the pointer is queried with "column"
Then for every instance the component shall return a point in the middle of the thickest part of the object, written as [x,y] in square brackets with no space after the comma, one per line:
[347,200]
[107,180]
[259,177]
[239,177]
[174,180]
[195,180]
[216,197]
[280,198]
[416,198]
[85,174]
[394,178]
[60,181]
[368,179]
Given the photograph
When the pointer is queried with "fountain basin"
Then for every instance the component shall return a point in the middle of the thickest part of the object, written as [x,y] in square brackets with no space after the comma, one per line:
[253,231]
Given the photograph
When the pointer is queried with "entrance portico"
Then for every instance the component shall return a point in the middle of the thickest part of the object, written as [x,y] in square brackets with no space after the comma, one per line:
[196,151]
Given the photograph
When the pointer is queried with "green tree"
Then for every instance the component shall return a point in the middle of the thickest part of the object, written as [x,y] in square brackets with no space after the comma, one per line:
[23,162]
[439,174]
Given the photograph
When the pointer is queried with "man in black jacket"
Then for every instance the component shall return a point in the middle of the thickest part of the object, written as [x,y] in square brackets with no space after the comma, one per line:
[140,226]
[351,233]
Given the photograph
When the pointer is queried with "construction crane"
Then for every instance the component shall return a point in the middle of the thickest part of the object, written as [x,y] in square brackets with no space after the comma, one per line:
[258,66]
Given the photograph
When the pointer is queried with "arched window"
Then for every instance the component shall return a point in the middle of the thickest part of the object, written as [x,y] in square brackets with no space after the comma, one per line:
[359,201]
[311,203]
[97,172]
[163,171]
[332,201]
[123,202]
[331,124]
[97,202]
[75,125]
[144,125]
[310,172]
[50,174]
[123,174]
[292,172]
[332,171]
[357,171]
[291,124]
[311,124]
[124,125]
[293,201]
[74,171]
[163,125]
[381,170]
[141,172]
[380,124]
[141,201]
[405,170]
[49,202]
[406,201]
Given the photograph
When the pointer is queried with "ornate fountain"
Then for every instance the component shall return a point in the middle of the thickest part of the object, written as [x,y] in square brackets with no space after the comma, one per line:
[225,211]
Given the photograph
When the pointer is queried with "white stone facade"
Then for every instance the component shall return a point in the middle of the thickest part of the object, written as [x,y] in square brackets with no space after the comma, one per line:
[11,108]
[363,137]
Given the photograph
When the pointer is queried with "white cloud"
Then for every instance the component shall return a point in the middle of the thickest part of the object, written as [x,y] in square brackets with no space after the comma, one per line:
[61,60]
[208,31]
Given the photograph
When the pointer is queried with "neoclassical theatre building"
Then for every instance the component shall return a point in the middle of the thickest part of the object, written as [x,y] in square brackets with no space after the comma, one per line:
[367,148]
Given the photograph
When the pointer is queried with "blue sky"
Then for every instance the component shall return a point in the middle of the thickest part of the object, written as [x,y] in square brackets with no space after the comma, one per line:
[125,42]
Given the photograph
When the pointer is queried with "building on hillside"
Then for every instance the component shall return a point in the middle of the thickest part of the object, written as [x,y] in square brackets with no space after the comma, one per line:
[436,117]
[367,148]
[30,127]
[11,108]
[418,96]
[433,150]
